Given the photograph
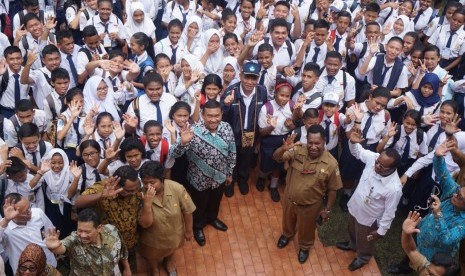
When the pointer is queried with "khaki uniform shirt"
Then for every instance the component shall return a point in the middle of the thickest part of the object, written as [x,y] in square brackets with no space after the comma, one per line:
[167,230]
[309,180]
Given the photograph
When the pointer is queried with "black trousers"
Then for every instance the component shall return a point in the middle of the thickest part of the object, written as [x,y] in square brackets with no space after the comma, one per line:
[207,203]
[244,160]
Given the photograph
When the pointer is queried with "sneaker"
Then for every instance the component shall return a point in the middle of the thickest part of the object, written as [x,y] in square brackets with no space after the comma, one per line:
[275,194]
[260,184]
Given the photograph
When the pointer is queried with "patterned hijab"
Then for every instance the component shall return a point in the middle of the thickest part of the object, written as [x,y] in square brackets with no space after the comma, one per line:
[35,254]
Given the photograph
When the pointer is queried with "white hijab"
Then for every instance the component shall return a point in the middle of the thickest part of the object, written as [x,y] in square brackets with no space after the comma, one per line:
[215,60]
[58,183]
[391,34]
[197,39]
[131,27]
[195,64]
[91,99]
[233,62]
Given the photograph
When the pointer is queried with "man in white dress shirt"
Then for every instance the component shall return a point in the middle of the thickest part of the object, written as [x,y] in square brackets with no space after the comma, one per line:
[373,205]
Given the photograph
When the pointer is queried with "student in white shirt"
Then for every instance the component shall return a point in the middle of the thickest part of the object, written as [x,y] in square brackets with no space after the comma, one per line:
[137,21]
[246,23]
[91,51]
[156,146]
[164,67]
[99,98]
[172,45]
[30,6]
[149,8]
[307,96]
[438,22]
[211,88]
[231,72]
[309,118]
[11,69]
[318,46]
[210,52]
[90,153]
[69,55]
[370,14]
[191,34]
[4,43]
[399,28]
[39,79]
[77,13]
[423,16]
[109,27]
[269,71]
[340,33]
[188,84]
[231,45]
[210,14]
[178,9]
[108,133]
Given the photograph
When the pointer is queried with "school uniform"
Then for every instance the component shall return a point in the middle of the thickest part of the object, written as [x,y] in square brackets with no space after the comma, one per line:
[275,139]
[339,44]
[17,22]
[335,84]
[434,109]
[4,42]
[35,196]
[317,54]
[422,19]
[332,126]
[113,166]
[175,11]
[41,86]
[186,95]
[361,50]
[113,25]
[314,98]
[451,44]
[156,154]
[75,133]
[104,142]
[91,176]
[436,24]
[171,84]
[32,43]
[85,17]
[447,92]
[146,64]
[55,102]
[408,148]
[281,56]
[209,23]
[240,27]
[268,79]
[391,76]
[69,62]
[147,109]
[12,125]
[12,94]
[82,58]
[174,52]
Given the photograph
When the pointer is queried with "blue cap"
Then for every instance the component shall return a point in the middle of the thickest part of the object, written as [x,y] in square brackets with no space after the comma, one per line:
[251,68]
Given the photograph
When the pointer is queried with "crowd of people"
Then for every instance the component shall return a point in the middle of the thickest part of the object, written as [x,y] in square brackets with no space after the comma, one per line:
[123,124]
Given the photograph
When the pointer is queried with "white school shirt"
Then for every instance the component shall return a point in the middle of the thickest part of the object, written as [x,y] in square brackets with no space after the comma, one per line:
[303,135]
[70,140]
[8,97]
[209,23]
[11,138]
[337,86]
[4,42]
[34,196]
[385,193]
[83,19]
[320,60]
[82,59]
[29,155]
[176,12]
[148,110]
[333,130]
[426,111]
[172,82]
[240,27]
[270,80]
[113,166]
[440,38]
[164,46]
[423,21]
[434,25]
[114,26]
[16,22]
[281,56]
[57,104]
[247,101]
[155,156]
[358,47]
[40,88]
[103,142]
[90,176]
[281,113]
[316,103]
[378,128]
[185,95]
[67,66]
[15,237]
[447,92]
[36,45]
[342,45]
[415,149]
[402,82]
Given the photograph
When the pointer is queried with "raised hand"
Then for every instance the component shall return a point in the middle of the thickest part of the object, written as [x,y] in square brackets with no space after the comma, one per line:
[358,113]
[451,125]
[45,166]
[410,223]
[374,46]
[422,67]
[392,130]
[50,23]
[289,71]
[52,238]
[75,109]
[263,9]
[271,120]
[411,68]
[105,64]
[110,189]
[445,79]
[289,143]
[32,56]
[89,126]
[409,102]
[118,131]
[16,152]
[75,169]
[4,166]
[3,67]
[356,136]
[130,120]
[131,66]
[195,75]
[20,32]
[169,126]
[110,153]
[186,135]
[430,119]
[148,196]
[9,210]
[444,147]
[229,99]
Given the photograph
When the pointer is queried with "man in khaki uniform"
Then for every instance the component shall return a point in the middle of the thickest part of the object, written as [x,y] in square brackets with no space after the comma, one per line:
[313,172]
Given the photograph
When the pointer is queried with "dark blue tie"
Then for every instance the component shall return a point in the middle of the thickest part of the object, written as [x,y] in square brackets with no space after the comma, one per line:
[184,17]
[367,125]
[17,88]
[173,55]
[97,176]
[166,87]
[330,79]
[406,153]
[336,43]
[300,3]
[315,55]
[76,128]
[383,74]
[159,118]
[73,68]
[449,41]
[106,27]
[327,130]
[262,78]
[417,17]
[434,140]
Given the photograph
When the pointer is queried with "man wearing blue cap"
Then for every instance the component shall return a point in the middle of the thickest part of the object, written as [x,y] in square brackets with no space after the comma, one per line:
[241,104]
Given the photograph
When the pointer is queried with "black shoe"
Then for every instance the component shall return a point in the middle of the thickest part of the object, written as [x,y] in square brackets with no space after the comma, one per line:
[356,264]
[244,188]
[344,246]
[219,225]
[199,236]
[303,255]
[229,190]
[275,194]
[260,184]
[398,269]
[283,241]
[343,202]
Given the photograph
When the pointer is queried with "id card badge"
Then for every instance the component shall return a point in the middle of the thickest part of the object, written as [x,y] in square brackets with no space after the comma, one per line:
[55,198]
[106,41]
[367,200]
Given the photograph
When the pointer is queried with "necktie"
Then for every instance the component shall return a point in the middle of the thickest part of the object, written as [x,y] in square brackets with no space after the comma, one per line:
[104,142]
[449,41]
[184,16]
[166,87]
[114,83]
[173,55]
[135,59]
[434,140]
[17,88]
[148,155]
[406,152]
[106,27]
[62,100]
[300,3]
[262,78]
[367,125]
[34,158]
[330,79]
[73,68]
[383,75]
[235,7]
[157,105]
[420,12]
[315,55]
[336,43]
[76,128]
[327,130]
[97,176]
[36,41]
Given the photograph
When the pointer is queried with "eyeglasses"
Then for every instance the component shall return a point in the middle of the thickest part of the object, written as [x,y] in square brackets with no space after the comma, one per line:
[90,154]
[429,200]
[459,195]
[28,268]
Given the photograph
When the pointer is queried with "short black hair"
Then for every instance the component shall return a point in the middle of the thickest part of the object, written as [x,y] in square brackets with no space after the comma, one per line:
[175,23]
[90,143]
[315,129]
[152,123]
[89,31]
[279,22]
[321,24]
[159,57]
[61,34]
[310,113]
[374,23]
[265,47]
[17,166]
[212,104]
[177,106]
[381,92]
[394,155]
[30,3]
[230,36]
[396,39]
[59,73]
[313,67]
[128,144]
[125,173]
[24,105]
[373,7]
[103,115]
[152,169]
[345,13]
[28,130]
[50,49]
[152,77]
[415,115]
[334,54]
[283,3]
[227,13]
[11,50]
[117,53]
[102,1]
[29,17]
[89,215]
[432,48]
